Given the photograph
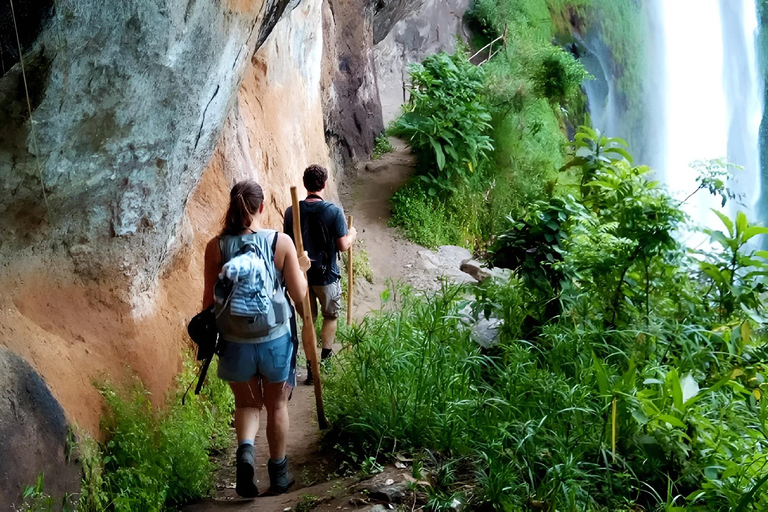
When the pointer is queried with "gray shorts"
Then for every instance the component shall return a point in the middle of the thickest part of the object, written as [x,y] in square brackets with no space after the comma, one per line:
[329,297]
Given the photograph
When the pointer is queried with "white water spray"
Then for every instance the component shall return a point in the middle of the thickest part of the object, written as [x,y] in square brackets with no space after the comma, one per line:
[703,98]
[712,100]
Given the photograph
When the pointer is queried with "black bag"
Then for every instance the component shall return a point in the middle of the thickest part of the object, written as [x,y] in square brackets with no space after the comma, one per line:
[318,243]
[202,330]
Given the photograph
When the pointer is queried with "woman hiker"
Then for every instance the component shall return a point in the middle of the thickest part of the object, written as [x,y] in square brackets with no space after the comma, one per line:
[260,370]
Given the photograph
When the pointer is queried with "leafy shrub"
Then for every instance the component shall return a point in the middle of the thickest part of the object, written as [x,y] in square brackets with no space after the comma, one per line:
[736,273]
[152,457]
[446,119]
[381,147]
[633,396]
[424,218]
[560,77]
[534,243]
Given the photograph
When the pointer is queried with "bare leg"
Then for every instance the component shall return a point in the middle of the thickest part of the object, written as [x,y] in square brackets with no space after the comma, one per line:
[276,403]
[328,332]
[248,404]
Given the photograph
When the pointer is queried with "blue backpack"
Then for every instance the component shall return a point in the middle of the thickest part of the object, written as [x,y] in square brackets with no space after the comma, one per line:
[249,299]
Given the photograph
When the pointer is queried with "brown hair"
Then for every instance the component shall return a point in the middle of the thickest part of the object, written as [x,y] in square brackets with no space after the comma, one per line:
[315,178]
[245,199]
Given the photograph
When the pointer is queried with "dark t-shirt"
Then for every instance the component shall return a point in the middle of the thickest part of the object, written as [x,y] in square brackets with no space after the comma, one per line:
[333,219]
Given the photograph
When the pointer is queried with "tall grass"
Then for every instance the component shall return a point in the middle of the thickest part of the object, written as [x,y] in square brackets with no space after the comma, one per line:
[532,417]
[155,458]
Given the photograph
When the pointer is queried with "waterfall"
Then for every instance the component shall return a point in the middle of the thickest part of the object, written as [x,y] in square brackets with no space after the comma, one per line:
[702,98]
[711,98]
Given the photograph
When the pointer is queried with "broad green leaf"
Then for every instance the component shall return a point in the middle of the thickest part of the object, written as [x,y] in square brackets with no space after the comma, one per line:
[439,154]
[746,332]
[601,375]
[741,223]
[725,220]
[671,420]
[620,151]
[673,381]
[754,231]
[719,237]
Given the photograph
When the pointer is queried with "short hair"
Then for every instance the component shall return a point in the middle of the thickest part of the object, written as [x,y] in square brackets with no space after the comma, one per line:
[315,178]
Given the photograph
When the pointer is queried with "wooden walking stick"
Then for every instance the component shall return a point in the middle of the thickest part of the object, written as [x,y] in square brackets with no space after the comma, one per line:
[350,277]
[308,337]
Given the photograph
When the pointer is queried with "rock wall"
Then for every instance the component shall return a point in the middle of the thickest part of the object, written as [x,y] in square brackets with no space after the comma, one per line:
[129,99]
[276,126]
[406,32]
[352,107]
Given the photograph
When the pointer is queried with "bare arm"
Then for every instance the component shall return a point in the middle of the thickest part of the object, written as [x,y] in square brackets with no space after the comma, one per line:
[288,262]
[346,241]
[212,268]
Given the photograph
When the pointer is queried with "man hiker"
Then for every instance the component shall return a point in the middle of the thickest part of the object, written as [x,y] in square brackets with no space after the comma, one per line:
[325,234]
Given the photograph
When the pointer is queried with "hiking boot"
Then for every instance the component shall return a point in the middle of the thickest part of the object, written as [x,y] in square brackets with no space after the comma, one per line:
[246,470]
[325,361]
[280,479]
[310,380]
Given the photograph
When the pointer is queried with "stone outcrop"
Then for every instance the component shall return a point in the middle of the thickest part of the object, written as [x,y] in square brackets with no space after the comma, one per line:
[128,101]
[33,433]
[351,96]
[406,32]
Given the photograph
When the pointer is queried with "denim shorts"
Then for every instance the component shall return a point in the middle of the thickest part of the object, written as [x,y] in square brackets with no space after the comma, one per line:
[239,362]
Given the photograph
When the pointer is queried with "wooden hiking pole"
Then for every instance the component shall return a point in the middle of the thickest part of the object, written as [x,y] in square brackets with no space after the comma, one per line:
[308,337]
[350,277]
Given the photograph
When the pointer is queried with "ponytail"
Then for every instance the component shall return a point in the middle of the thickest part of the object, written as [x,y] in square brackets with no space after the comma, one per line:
[245,199]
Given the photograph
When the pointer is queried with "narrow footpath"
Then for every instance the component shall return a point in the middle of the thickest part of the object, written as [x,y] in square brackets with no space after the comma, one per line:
[365,195]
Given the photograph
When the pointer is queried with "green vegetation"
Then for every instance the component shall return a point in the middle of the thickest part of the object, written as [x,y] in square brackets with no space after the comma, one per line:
[154,458]
[628,373]
[489,139]
[446,120]
[35,499]
[381,147]
[621,27]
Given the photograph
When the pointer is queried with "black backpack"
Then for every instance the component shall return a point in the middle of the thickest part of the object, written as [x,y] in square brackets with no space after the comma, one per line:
[317,242]
[202,330]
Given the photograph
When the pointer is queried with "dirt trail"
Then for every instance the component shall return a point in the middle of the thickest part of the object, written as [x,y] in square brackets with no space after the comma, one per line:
[365,195]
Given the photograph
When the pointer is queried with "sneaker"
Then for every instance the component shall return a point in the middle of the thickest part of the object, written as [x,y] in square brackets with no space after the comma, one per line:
[310,380]
[280,479]
[246,470]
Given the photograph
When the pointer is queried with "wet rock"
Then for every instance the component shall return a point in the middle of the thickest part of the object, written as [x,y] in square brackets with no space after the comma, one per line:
[485,331]
[33,434]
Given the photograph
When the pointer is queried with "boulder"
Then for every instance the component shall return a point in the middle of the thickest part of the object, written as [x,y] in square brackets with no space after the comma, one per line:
[475,269]
[33,435]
